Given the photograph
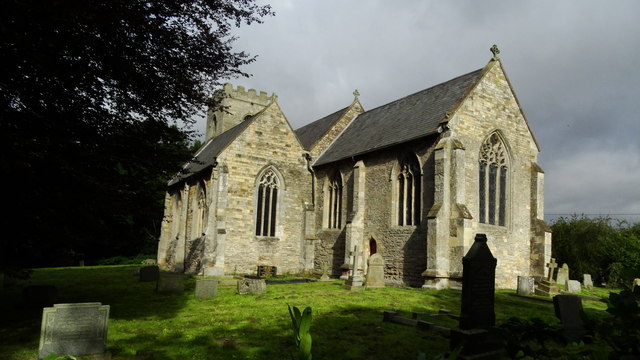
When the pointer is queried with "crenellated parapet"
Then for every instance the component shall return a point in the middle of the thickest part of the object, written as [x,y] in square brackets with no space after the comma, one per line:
[251,95]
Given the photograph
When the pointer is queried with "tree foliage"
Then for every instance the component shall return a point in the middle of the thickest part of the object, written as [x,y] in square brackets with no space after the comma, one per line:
[88,92]
[611,254]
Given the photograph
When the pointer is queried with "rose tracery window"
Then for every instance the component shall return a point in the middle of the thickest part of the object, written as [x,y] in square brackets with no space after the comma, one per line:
[408,191]
[266,206]
[334,208]
[493,172]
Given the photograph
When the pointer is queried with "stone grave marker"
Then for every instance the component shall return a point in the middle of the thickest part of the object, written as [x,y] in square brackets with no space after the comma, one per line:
[573,286]
[526,285]
[375,272]
[354,282]
[478,286]
[636,286]
[325,272]
[251,286]
[547,287]
[206,288]
[568,309]
[586,281]
[74,329]
[563,275]
[170,283]
[149,273]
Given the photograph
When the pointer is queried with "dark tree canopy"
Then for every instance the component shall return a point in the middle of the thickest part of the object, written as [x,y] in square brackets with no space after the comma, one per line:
[88,90]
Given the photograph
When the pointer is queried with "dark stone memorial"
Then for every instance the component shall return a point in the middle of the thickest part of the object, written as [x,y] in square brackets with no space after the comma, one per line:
[568,309]
[149,273]
[477,314]
[74,329]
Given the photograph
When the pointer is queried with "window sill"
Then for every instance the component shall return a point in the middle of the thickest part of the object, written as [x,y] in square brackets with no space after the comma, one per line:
[269,239]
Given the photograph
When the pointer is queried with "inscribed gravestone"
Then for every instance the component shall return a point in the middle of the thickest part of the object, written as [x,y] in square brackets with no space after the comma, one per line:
[149,273]
[526,285]
[563,275]
[573,286]
[478,286]
[251,286]
[586,281]
[206,288]
[170,283]
[74,329]
[375,272]
[568,309]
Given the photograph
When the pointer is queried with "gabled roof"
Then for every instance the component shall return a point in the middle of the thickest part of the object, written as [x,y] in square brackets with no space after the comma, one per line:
[206,155]
[311,133]
[409,118]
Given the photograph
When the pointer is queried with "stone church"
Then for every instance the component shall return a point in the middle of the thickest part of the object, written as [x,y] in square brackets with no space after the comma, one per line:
[413,180]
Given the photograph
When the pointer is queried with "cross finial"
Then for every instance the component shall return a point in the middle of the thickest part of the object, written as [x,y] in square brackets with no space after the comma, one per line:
[495,51]
[356,93]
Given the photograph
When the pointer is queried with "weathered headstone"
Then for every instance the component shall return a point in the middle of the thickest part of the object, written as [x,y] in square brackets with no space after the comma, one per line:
[265,271]
[206,288]
[477,314]
[586,281]
[149,273]
[375,272]
[526,285]
[354,282]
[325,272]
[170,283]
[563,275]
[74,329]
[573,286]
[548,287]
[568,309]
[39,296]
[478,286]
[251,286]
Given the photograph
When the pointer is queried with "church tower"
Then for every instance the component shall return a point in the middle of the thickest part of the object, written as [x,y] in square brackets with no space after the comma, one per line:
[232,106]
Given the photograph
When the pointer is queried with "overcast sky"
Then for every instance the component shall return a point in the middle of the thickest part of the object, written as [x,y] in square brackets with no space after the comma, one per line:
[574,66]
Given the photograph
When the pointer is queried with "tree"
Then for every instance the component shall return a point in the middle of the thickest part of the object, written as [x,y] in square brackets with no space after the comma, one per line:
[88,92]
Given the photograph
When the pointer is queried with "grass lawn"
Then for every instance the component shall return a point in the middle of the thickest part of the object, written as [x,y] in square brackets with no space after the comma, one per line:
[346,325]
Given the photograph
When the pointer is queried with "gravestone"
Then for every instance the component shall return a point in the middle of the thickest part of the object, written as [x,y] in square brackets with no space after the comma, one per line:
[375,272]
[265,271]
[170,283]
[587,282]
[325,272]
[573,286]
[552,265]
[563,275]
[526,285]
[478,286]
[548,287]
[354,282]
[39,296]
[251,286]
[568,309]
[206,288]
[477,314]
[74,329]
[149,273]
[636,286]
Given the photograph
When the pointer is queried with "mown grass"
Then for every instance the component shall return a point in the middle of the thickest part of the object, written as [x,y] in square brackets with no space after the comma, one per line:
[346,325]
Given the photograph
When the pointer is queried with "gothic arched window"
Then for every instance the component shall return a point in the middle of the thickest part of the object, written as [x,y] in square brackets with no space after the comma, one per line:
[201,211]
[334,205]
[493,171]
[267,203]
[408,192]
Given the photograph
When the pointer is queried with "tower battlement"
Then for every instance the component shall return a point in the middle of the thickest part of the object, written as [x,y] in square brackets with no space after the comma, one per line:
[251,95]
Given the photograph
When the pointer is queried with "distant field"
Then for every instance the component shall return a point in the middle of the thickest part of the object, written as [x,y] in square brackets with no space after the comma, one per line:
[346,325]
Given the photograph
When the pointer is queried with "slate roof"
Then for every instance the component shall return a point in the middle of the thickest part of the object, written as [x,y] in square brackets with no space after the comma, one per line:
[311,133]
[207,154]
[409,118]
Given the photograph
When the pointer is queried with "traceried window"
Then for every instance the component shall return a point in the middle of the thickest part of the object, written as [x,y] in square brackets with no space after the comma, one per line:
[493,173]
[334,204]
[408,192]
[267,203]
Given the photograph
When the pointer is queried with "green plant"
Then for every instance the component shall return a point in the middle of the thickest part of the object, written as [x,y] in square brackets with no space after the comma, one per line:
[301,323]
[622,330]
